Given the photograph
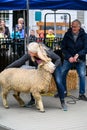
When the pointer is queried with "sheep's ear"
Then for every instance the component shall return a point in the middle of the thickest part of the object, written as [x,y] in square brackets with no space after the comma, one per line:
[41,64]
[49,59]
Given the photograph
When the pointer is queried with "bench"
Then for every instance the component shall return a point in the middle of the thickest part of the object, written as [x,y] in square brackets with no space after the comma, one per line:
[61,27]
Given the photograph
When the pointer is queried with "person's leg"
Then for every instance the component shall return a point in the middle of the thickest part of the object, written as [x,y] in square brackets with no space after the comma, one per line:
[56,95]
[81,69]
[31,102]
[60,87]
[58,80]
[65,68]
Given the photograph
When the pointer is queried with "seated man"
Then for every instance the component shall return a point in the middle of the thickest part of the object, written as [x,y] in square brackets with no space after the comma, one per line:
[74,48]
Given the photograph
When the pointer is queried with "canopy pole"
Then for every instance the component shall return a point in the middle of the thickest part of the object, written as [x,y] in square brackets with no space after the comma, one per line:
[24,32]
[55,22]
[27,40]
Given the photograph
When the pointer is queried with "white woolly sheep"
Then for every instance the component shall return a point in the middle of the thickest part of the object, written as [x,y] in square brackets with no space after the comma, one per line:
[35,81]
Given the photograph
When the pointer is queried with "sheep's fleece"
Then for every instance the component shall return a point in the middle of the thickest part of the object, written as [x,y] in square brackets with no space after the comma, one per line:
[19,80]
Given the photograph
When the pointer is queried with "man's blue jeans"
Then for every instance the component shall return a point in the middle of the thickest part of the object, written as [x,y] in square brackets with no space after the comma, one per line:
[81,70]
[58,79]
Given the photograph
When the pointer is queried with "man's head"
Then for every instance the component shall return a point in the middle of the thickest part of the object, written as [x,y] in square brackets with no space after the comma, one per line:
[76,25]
[32,32]
[20,21]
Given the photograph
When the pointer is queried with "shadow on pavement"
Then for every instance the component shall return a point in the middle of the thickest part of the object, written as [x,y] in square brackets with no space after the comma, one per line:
[4,128]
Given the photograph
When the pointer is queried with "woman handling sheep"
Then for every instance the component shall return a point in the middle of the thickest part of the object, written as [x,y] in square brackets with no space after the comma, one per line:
[36,54]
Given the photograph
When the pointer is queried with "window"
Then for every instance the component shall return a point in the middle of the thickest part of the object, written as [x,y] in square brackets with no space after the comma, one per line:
[4,15]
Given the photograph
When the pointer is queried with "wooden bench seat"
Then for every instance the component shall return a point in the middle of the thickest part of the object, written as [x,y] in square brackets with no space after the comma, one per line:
[61,27]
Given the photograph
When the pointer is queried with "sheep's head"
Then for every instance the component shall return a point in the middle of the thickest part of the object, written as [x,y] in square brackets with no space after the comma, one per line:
[48,66]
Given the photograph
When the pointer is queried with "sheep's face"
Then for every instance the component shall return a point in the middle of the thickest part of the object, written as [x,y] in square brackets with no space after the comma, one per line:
[48,66]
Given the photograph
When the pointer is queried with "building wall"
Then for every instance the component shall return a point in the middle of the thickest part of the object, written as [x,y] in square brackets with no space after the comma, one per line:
[50,18]
[81,15]
[85,21]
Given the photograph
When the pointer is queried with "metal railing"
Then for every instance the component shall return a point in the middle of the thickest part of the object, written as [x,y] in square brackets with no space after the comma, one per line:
[10,50]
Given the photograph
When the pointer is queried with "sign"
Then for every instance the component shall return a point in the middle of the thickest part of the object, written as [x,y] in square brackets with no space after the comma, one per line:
[38,15]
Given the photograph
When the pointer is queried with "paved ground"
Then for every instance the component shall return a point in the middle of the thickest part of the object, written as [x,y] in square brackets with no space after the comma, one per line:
[17,118]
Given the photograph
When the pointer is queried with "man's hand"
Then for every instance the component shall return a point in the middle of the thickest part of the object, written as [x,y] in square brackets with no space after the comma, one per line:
[71,59]
[76,57]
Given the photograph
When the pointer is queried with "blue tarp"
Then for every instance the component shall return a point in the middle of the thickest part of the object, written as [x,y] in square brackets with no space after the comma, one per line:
[43,4]
[12,4]
[59,4]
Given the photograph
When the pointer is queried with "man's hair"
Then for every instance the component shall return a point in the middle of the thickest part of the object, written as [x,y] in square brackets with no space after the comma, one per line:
[76,20]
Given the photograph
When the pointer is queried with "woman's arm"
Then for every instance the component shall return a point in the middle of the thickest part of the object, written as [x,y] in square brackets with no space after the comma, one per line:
[55,58]
[21,61]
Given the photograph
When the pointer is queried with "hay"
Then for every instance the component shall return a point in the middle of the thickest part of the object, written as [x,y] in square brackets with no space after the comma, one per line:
[72,80]
[71,83]
[52,87]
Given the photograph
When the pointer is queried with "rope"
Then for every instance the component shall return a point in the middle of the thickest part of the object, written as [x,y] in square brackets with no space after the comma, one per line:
[73,99]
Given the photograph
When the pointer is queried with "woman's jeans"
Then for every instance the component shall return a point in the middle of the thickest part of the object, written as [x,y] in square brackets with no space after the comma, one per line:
[58,79]
[81,70]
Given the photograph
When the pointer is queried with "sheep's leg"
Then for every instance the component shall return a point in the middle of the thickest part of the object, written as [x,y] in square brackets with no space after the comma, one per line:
[4,98]
[17,97]
[39,103]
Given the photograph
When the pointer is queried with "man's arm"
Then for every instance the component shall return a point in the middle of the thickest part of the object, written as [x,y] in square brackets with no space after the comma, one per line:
[67,55]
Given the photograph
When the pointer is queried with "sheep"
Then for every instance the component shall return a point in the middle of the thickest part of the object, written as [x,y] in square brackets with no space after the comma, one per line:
[35,81]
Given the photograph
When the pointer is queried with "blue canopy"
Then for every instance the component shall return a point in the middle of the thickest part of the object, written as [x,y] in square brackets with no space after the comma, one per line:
[59,4]
[12,4]
[43,4]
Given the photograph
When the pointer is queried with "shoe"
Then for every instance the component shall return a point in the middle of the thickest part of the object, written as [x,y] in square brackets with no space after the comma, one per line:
[30,104]
[56,95]
[82,97]
[64,106]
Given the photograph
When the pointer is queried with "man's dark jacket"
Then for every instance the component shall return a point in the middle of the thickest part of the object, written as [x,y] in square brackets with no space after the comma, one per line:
[70,48]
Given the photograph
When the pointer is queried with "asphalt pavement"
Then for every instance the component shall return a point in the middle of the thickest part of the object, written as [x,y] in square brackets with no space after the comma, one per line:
[54,118]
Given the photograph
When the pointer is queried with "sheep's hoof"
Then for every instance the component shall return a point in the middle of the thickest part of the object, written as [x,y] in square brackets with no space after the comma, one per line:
[42,111]
[6,107]
[38,108]
[22,105]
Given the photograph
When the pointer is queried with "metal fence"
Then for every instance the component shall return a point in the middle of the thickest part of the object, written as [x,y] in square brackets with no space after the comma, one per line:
[10,50]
